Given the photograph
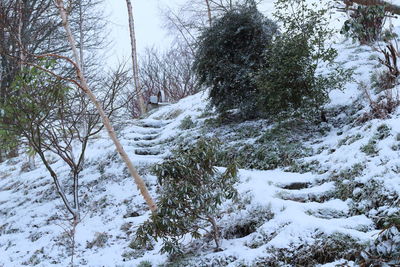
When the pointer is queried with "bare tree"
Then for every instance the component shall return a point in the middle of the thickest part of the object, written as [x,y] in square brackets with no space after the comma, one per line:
[135,67]
[186,22]
[83,85]
[169,72]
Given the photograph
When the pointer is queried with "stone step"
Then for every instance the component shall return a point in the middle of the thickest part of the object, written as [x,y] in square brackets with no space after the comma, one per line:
[144,144]
[152,123]
[146,137]
[148,151]
[296,186]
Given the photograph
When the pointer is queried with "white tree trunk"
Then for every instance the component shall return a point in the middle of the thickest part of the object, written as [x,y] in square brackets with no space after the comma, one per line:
[138,180]
[136,80]
[81,38]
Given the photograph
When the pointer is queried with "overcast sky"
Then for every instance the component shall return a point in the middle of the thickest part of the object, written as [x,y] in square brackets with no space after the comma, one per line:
[148,25]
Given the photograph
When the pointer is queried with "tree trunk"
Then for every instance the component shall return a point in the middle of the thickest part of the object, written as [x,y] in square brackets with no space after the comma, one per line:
[81,37]
[84,86]
[138,88]
[215,232]
[395,9]
[209,12]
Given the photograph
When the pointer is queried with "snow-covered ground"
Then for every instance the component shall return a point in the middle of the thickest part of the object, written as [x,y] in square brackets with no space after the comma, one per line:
[295,212]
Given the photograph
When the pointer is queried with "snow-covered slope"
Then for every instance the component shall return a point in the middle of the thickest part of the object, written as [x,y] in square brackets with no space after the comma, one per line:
[352,182]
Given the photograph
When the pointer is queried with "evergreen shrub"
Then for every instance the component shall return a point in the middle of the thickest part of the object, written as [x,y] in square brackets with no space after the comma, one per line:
[192,190]
[289,84]
[230,54]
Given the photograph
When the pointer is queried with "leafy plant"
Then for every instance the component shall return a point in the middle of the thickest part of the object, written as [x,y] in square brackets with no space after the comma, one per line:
[382,132]
[230,53]
[279,146]
[365,23]
[100,240]
[385,249]
[187,123]
[289,82]
[191,191]
[370,148]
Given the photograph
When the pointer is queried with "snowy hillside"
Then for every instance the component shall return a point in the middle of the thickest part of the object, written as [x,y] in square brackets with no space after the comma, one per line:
[327,201]
[310,194]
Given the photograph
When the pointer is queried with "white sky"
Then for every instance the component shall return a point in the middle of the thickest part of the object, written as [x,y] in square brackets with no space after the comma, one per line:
[148,25]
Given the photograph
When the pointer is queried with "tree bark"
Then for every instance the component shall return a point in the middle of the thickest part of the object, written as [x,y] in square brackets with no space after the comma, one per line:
[81,37]
[136,80]
[395,9]
[107,124]
[209,12]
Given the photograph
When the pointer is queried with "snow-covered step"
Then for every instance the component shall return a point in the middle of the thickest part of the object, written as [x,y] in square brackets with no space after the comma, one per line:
[148,151]
[146,143]
[146,137]
[151,123]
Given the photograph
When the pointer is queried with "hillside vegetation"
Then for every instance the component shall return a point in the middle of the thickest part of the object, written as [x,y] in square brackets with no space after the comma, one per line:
[292,159]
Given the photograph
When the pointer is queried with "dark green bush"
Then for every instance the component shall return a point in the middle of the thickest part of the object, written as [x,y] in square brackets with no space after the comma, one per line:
[289,82]
[191,191]
[230,54]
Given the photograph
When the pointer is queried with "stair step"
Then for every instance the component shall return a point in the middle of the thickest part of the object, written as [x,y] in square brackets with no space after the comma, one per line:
[146,137]
[145,152]
[146,144]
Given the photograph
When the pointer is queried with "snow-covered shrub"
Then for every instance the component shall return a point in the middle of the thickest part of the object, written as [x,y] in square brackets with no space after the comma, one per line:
[363,196]
[381,133]
[277,147]
[289,83]
[241,224]
[187,123]
[229,55]
[385,82]
[144,264]
[192,190]
[365,23]
[100,240]
[321,250]
[384,250]
[344,181]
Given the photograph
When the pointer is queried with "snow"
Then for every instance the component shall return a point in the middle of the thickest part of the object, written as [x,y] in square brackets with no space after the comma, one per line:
[33,220]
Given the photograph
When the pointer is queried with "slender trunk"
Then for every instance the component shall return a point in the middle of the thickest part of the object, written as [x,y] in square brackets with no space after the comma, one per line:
[57,184]
[138,88]
[21,45]
[216,231]
[395,9]
[84,86]
[209,12]
[81,37]
[73,232]
[76,191]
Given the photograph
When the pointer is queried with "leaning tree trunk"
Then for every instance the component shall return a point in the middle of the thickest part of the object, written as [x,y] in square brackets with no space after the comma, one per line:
[138,88]
[395,9]
[107,124]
